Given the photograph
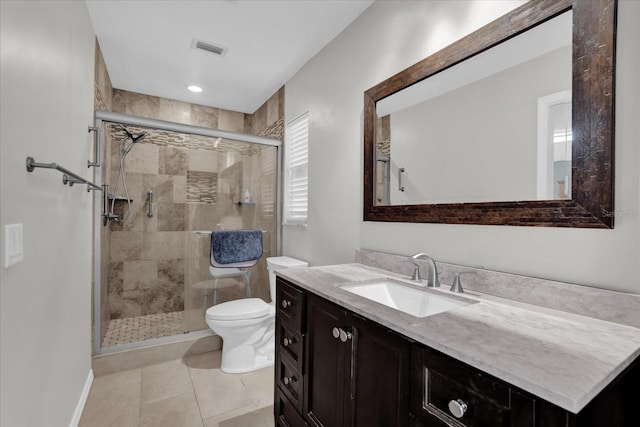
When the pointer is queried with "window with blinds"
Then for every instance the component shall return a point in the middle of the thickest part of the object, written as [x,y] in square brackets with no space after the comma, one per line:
[268,179]
[296,172]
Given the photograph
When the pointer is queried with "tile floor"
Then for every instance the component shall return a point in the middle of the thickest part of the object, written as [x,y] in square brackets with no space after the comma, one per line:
[192,391]
[140,328]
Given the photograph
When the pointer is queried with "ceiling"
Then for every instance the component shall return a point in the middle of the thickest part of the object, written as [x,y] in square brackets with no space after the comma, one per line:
[146,45]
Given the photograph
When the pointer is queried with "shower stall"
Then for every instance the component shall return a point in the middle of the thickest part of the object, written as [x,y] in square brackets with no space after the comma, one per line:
[167,186]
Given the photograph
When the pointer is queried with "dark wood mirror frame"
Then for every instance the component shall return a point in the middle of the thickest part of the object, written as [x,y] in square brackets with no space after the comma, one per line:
[591,204]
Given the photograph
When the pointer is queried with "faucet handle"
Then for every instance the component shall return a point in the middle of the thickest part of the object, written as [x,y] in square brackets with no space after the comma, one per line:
[417,277]
[457,284]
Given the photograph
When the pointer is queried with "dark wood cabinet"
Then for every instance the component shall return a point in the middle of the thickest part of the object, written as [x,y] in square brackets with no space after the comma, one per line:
[335,368]
[357,371]
[327,361]
[476,399]
[438,379]
[353,373]
[289,390]
[380,383]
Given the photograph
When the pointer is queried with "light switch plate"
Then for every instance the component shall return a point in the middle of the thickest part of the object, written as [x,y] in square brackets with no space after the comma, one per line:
[13,252]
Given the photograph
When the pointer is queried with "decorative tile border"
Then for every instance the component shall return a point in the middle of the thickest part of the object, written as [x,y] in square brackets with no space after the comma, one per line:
[202,187]
[165,138]
[275,131]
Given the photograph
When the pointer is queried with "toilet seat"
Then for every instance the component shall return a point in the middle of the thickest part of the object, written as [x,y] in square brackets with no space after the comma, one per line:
[241,309]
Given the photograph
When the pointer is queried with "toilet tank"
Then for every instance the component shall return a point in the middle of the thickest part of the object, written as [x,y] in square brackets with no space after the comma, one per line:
[277,263]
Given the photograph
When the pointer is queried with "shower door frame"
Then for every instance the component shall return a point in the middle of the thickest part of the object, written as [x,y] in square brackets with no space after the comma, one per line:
[125,119]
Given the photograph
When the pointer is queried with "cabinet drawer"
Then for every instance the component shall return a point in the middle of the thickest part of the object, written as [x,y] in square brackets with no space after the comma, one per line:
[290,382]
[286,414]
[289,344]
[289,303]
[479,399]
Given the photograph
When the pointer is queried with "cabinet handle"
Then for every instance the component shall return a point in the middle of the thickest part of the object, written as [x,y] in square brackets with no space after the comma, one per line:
[288,341]
[457,408]
[345,335]
[286,303]
[288,380]
[339,333]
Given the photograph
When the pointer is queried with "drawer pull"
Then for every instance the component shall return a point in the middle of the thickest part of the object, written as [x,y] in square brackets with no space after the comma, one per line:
[288,341]
[344,335]
[288,380]
[457,408]
[339,333]
[286,303]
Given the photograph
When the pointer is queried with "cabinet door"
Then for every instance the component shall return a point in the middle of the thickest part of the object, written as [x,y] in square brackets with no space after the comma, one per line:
[380,382]
[326,364]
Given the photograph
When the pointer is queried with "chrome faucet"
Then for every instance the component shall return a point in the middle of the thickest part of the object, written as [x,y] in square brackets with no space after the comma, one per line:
[432,278]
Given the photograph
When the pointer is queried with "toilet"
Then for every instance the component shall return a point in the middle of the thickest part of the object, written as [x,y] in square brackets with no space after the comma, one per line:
[247,326]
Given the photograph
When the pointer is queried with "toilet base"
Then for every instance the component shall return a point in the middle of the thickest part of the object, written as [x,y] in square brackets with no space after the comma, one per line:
[260,363]
[247,358]
[246,347]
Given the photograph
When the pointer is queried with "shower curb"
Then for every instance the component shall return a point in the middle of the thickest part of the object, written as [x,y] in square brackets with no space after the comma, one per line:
[134,358]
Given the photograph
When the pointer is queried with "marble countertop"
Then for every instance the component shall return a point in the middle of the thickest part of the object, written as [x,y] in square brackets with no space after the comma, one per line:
[564,358]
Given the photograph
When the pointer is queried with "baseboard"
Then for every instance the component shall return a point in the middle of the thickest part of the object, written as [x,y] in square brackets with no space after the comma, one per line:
[83,400]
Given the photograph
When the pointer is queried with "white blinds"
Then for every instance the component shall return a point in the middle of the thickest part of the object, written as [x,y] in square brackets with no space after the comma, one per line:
[268,162]
[296,171]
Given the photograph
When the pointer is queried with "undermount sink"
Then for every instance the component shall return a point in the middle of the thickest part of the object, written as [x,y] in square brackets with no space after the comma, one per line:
[406,299]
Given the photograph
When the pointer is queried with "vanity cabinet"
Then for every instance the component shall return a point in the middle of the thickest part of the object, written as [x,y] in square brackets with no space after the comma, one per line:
[335,368]
[327,361]
[447,393]
[357,371]
[288,399]
[354,372]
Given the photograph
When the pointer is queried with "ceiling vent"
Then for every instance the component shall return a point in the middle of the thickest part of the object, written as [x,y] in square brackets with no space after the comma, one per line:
[208,47]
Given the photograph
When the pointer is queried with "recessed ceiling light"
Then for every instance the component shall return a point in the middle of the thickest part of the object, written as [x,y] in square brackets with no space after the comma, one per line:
[196,89]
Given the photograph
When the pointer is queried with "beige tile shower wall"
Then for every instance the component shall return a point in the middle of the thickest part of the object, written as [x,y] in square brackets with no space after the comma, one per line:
[146,263]
[268,121]
[103,101]
[153,260]
[103,87]
[269,113]
[154,107]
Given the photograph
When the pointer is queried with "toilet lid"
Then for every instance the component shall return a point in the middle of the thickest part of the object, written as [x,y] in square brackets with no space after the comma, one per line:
[247,308]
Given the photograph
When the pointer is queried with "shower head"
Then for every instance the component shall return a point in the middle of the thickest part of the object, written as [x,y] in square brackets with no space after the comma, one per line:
[139,137]
[134,139]
[129,134]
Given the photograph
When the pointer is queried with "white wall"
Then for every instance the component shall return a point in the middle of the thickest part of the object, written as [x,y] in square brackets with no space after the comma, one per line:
[46,105]
[439,141]
[388,37]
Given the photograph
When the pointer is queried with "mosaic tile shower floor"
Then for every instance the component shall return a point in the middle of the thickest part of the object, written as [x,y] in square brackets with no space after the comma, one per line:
[140,328]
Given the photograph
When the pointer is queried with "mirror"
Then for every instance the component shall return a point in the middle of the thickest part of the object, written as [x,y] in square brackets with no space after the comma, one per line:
[430,158]
[509,125]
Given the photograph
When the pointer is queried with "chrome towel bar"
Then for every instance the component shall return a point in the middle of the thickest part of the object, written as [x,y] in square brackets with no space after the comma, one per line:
[68,177]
